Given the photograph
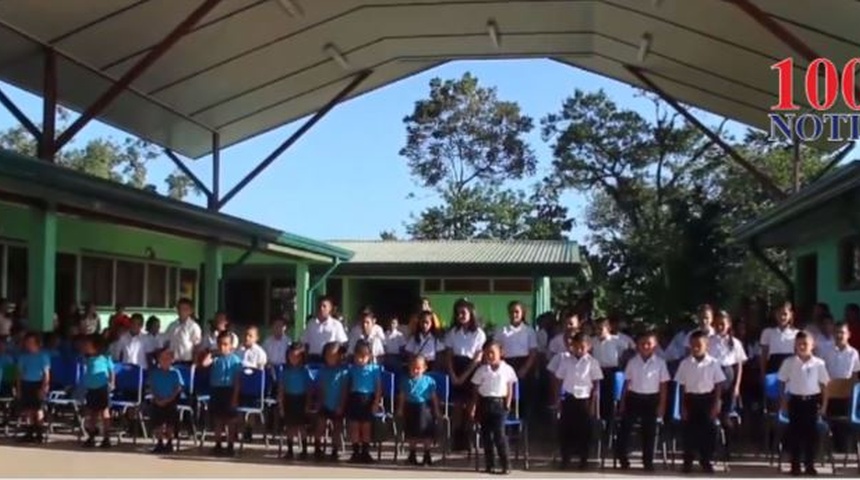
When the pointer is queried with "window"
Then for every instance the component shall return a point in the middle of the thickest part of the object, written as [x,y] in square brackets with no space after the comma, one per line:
[432,285]
[172,287]
[511,285]
[188,284]
[97,280]
[849,263]
[156,286]
[129,283]
[467,285]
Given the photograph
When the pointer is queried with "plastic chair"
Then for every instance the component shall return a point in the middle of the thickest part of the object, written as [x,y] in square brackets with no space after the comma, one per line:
[66,373]
[513,424]
[855,422]
[185,407]
[200,399]
[386,417]
[129,385]
[252,389]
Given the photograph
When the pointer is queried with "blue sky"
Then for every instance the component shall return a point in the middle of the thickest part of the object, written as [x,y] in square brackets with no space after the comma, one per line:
[344,179]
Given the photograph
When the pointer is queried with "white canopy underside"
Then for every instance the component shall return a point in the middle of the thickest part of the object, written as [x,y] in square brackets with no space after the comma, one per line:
[253,65]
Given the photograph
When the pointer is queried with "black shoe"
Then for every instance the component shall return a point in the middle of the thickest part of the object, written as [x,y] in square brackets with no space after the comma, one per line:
[247,436]
[90,442]
[412,459]
[708,467]
[583,464]
[168,447]
[318,455]
[795,471]
[289,456]
[488,469]
[648,467]
[624,464]
[158,448]
[355,457]
[428,460]
[811,471]
[333,457]
[564,464]
[366,458]
[687,467]
[230,452]
[303,456]
[505,466]
[105,443]
[217,450]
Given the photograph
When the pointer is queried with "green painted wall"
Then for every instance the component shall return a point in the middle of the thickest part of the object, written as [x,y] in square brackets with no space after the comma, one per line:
[491,307]
[827,251]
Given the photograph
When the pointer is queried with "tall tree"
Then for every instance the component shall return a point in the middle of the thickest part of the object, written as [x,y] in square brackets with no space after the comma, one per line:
[467,145]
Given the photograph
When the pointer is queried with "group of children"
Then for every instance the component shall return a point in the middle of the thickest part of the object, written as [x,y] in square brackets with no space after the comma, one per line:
[317,391]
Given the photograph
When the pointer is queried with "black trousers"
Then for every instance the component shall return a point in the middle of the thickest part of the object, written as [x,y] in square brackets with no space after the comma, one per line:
[839,408]
[574,428]
[802,434]
[643,409]
[492,415]
[607,394]
[699,429]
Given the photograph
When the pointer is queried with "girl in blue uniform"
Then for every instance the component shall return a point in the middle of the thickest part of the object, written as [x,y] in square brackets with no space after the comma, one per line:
[98,379]
[224,370]
[295,384]
[331,383]
[165,384]
[34,379]
[418,407]
[365,393]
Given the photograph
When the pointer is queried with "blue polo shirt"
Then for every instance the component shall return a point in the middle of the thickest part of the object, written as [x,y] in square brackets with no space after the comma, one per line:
[419,389]
[224,369]
[97,371]
[363,379]
[32,366]
[295,380]
[163,383]
[331,381]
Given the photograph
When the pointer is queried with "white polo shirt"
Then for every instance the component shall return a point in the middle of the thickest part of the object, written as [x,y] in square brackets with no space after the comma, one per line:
[608,351]
[393,342]
[555,361]
[842,363]
[276,349]
[253,356]
[677,347]
[183,336]
[557,344]
[779,341]
[727,350]
[318,333]
[494,383]
[425,345]
[803,378]
[133,349]
[377,349]
[699,376]
[464,343]
[516,341]
[578,375]
[823,345]
[645,376]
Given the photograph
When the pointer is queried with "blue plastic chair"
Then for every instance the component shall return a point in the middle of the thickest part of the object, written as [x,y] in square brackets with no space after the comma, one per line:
[443,394]
[252,392]
[386,416]
[128,394]
[66,392]
[186,405]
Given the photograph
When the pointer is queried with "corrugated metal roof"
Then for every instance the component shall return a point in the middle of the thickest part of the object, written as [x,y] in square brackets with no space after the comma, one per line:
[519,252]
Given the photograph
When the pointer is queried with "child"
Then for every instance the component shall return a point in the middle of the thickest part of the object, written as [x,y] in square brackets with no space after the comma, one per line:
[608,349]
[295,385]
[322,330]
[580,375]
[184,335]
[98,379]
[278,343]
[165,384]
[843,363]
[365,397]
[643,398]
[519,344]
[700,378]
[824,339]
[570,325]
[804,397]
[224,379]
[34,379]
[252,354]
[221,323]
[368,332]
[134,346]
[777,343]
[729,353]
[425,340]
[464,342]
[393,344]
[331,382]
[491,401]
[418,406]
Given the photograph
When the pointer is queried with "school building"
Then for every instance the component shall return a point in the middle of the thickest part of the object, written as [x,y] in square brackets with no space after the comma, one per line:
[820,228]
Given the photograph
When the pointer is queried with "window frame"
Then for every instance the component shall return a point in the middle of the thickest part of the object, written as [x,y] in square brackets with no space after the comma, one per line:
[847,248]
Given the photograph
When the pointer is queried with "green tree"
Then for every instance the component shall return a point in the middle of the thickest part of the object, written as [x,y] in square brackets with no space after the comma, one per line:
[468,147]
[123,161]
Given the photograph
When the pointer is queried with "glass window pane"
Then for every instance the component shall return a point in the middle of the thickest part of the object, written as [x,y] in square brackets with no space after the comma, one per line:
[172,287]
[129,283]
[465,285]
[156,286]
[16,275]
[97,281]
[188,284]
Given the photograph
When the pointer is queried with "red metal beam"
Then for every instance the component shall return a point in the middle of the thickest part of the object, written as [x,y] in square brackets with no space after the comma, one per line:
[20,116]
[136,71]
[769,185]
[47,144]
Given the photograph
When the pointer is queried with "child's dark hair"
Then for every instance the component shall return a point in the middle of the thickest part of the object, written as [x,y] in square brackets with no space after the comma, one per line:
[515,303]
[802,335]
[492,344]
[331,347]
[137,318]
[473,319]
[697,335]
[151,321]
[645,333]
[579,337]
[325,298]
[296,347]
[421,316]
[705,307]
[366,311]
[184,301]
[226,334]
[33,336]
[362,347]
[97,341]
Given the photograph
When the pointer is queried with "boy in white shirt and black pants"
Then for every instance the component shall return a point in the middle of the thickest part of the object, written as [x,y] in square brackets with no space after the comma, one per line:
[609,350]
[700,378]
[804,397]
[494,391]
[580,377]
[643,399]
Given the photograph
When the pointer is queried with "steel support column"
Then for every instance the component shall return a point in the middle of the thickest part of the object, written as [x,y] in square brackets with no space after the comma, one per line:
[356,81]
[184,169]
[47,145]
[20,116]
[215,194]
[769,185]
[136,71]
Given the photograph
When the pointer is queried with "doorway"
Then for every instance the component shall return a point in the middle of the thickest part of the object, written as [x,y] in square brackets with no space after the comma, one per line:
[807,284]
[389,298]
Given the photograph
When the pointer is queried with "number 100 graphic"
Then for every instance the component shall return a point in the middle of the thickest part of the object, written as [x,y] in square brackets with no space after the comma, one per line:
[819,70]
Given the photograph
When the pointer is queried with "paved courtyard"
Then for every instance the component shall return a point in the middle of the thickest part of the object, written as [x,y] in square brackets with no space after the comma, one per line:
[64,458]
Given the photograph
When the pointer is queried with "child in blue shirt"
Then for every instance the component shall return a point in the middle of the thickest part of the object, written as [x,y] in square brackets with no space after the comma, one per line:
[165,385]
[224,370]
[295,383]
[365,393]
[330,395]
[417,406]
[34,379]
[98,379]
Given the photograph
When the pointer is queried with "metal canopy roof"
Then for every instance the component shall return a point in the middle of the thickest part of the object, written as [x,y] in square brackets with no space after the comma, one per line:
[253,65]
